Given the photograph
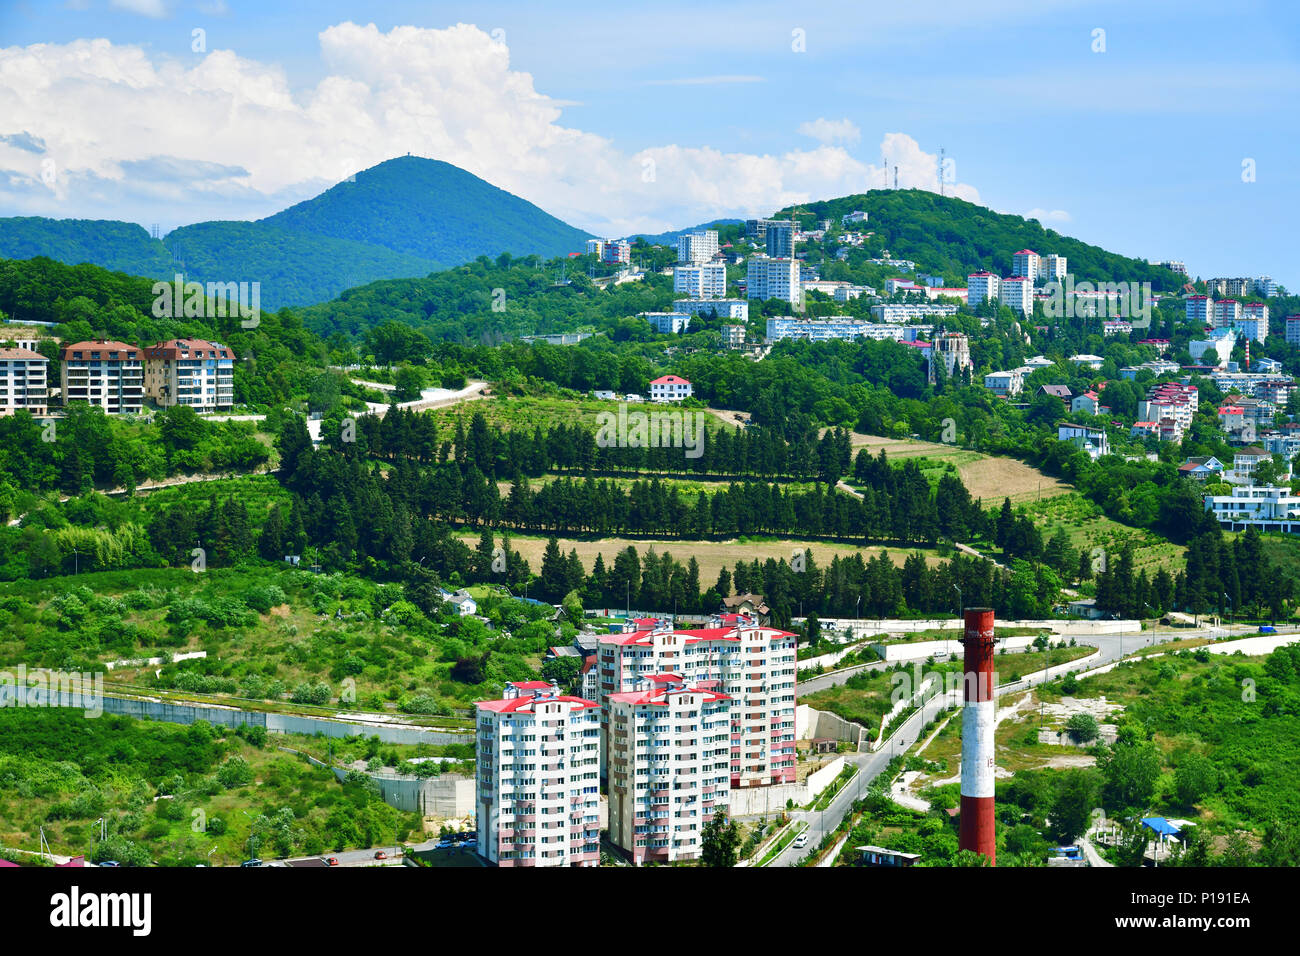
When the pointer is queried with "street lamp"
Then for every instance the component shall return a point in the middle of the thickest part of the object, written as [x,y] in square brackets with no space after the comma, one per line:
[1229,603]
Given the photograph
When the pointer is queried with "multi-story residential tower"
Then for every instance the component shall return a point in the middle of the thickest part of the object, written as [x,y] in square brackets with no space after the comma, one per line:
[982,286]
[610,250]
[1199,309]
[1053,267]
[104,373]
[1226,311]
[723,308]
[700,281]
[769,278]
[779,239]
[1025,264]
[190,372]
[538,777]
[24,381]
[669,764]
[697,248]
[1017,292]
[754,666]
[953,349]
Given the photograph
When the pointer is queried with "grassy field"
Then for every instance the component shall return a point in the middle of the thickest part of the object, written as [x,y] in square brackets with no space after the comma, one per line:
[509,412]
[713,556]
[989,478]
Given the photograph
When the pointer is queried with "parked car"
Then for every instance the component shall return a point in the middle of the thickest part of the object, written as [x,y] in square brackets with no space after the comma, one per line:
[332,861]
[251,863]
[110,863]
[1266,629]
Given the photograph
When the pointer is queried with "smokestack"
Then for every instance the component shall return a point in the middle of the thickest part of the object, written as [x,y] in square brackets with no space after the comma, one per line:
[977,723]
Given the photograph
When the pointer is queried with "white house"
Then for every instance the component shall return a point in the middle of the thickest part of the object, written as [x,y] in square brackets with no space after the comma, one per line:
[1092,440]
[1266,507]
[670,388]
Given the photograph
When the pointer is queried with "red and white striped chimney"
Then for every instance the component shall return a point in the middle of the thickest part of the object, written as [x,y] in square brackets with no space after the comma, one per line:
[977,723]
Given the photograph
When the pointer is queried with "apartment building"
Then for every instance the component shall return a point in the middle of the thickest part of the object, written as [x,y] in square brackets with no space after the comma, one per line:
[779,240]
[1230,287]
[754,666]
[670,388]
[24,381]
[823,330]
[724,308]
[1175,265]
[1266,287]
[1017,293]
[1226,312]
[1199,309]
[1089,403]
[910,311]
[669,765]
[1026,264]
[769,278]
[1264,507]
[945,292]
[190,372]
[1053,267]
[667,323]
[697,248]
[104,373]
[733,336]
[700,281]
[538,777]
[983,287]
[610,250]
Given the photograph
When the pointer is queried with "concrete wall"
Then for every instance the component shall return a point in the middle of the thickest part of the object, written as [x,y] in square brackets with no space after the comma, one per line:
[757,801]
[274,723]
[811,723]
[920,650]
[448,795]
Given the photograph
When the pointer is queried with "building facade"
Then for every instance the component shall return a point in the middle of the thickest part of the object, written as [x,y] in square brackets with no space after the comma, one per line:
[700,281]
[670,388]
[697,248]
[769,278]
[538,777]
[24,381]
[190,372]
[983,287]
[104,373]
[669,766]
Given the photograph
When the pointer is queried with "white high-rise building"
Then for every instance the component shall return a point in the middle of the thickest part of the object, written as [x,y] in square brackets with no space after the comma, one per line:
[24,381]
[610,250]
[190,372]
[1199,309]
[669,765]
[769,278]
[1017,292]
[724,308]
[1226,311]
[104,373]
[1053,267]
[667,323]
[1025,264]
[754,666]
[696,248]
[537,785]
[700,281]
[981,287]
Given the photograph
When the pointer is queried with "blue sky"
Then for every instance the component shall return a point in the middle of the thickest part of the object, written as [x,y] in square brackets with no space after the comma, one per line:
[1138,147]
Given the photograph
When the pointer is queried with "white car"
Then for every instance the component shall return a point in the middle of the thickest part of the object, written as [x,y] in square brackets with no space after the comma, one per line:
[801,841]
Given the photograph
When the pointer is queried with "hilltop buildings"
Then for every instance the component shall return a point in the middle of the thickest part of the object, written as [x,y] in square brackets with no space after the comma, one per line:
[104,373]
[770,278]
[190,372]
[23,381]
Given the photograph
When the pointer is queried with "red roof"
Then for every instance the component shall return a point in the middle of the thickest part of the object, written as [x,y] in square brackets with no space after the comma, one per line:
[1026,252]
[670,380]
[187,348]
[103,345]
[525,703]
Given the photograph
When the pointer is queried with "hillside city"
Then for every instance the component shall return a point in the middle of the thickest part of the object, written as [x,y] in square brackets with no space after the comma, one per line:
[431,510]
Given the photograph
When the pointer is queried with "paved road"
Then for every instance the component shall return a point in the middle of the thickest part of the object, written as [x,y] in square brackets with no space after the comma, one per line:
[1110,647]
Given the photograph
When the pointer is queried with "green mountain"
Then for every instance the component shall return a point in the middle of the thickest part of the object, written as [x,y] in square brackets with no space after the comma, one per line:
[403,218]
[953,237]
[120,246]
[433,210]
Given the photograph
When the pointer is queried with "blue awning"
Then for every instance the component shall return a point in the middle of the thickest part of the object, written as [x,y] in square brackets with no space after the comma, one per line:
[1160,825]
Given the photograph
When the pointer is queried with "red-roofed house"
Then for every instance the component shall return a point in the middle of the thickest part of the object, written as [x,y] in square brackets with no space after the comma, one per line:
[670,388]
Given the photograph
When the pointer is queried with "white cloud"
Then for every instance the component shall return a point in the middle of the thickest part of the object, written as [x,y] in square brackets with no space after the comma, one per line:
[1048,216]
[148,139]
[831,131]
